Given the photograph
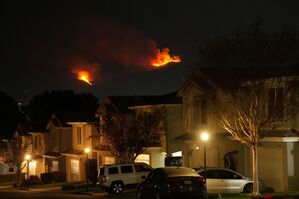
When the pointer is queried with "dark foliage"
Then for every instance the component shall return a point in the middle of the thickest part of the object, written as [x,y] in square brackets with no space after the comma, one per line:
[46,178]
[80,106]
[33,180]
[59,176]
[9,116]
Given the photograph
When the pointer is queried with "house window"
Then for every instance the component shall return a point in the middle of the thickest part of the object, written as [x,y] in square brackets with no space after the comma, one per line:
[200,112]
[79,135]
[54,138]
[143,158]
[54,165]
[74,170]
[276,102]
[35,142]
[32,168]
[109,160]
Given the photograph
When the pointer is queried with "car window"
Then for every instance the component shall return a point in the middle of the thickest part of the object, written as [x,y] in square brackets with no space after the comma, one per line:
[156,175]
[179,171]
[113,170]
[228,175]
[126,169]
[141,168]
[210,174]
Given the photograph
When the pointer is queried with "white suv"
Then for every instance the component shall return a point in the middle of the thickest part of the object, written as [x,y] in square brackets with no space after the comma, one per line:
[114,178]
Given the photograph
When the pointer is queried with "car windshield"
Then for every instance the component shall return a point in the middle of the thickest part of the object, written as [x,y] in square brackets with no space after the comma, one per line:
[179,171]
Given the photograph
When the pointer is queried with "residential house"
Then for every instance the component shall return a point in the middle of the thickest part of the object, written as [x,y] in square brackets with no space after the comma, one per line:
[85,134]
[59,140]
[171,127]
[7,146]
[278,153]
[31,141]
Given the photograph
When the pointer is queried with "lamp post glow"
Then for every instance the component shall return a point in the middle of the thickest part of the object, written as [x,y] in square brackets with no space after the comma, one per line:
[205,137]
[87,150]
[27,158]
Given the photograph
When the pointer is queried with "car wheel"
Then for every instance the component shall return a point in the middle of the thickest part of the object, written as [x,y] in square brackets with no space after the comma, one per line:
[158,195]
[138,194]
[117,187]
[248,188]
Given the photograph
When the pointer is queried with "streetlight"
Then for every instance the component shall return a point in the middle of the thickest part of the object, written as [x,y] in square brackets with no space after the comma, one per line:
[204,136]
[86,150]
[27,158]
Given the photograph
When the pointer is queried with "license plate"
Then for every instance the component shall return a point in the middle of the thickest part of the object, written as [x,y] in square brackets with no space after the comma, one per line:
[187,182]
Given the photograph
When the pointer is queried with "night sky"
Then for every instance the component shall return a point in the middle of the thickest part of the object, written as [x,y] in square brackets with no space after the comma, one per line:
[44,42]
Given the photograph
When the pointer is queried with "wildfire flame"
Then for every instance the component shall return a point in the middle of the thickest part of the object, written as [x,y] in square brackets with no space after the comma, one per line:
[163,57]
[84,75]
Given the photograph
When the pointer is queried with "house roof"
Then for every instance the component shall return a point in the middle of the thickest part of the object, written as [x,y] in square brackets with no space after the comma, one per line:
[73,152]
[53,154]
[283,133]
[206,77]
[24,129]
[122,103]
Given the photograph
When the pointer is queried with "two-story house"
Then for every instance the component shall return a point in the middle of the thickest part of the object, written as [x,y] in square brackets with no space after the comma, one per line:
[59,140]
[277,153]
[31,140]
[85,134]
[171,127]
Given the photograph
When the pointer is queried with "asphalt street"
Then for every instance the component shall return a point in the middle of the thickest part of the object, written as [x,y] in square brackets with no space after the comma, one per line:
[57,194]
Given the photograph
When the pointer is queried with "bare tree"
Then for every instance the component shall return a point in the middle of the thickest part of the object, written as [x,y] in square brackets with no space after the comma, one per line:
[129,135]
[250,104]
[253,109]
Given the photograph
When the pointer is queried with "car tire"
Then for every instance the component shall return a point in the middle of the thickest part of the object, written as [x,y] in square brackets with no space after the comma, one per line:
[248,188]
[117,187]
[139,194]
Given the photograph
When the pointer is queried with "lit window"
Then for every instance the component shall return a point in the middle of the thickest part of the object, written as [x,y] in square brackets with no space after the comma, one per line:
[32,168]
[143,158]
[109,160]
[54,165]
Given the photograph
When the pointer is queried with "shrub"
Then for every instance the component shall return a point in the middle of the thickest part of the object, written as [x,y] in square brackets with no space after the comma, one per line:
[59,176]
[33,180]
[46,178]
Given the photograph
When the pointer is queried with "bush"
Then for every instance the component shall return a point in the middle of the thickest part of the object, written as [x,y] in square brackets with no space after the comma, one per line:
[46,178]
[33,180]
[59,176]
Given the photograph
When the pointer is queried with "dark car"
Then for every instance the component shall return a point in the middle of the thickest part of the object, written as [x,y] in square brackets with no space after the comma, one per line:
[172,182]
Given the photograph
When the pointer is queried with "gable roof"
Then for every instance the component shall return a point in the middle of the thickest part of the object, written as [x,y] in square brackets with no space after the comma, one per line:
[206,77]
[120,104]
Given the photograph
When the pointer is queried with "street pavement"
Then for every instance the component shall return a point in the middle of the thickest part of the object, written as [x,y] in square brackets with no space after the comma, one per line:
[56,193]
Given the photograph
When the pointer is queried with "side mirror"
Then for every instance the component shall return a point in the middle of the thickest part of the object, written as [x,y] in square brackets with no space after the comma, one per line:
[143,177]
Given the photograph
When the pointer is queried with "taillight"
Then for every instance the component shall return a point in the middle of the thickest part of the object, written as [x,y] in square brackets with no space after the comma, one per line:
[103,178]
[203,180]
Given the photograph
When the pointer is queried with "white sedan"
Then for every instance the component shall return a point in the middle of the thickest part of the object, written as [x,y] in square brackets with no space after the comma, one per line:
[222,180]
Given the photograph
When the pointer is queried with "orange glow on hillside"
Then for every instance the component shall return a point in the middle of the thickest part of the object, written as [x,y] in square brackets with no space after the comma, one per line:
[163,57]
[84,75]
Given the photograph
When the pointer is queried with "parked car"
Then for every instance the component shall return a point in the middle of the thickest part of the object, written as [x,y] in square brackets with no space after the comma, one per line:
[223,180]
[171,182]
[114,178]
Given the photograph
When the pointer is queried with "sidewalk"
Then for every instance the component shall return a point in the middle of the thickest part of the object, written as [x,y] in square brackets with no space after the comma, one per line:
[6,186]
